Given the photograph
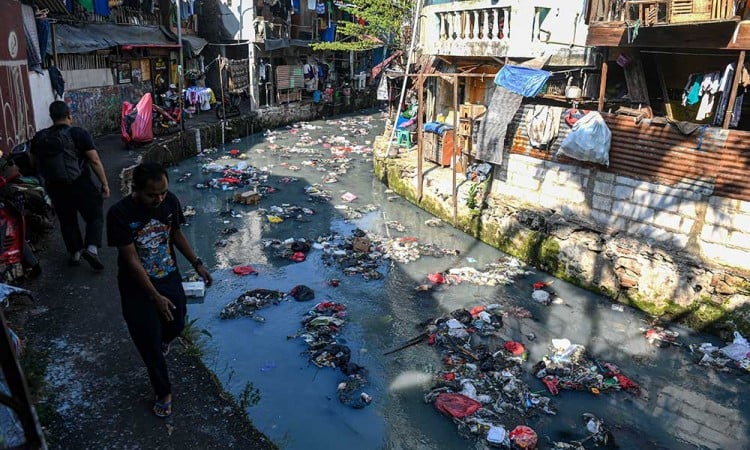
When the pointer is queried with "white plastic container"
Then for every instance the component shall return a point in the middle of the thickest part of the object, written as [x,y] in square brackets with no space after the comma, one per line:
[194,288]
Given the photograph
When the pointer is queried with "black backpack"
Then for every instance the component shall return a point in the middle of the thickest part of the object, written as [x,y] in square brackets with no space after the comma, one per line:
[58,155]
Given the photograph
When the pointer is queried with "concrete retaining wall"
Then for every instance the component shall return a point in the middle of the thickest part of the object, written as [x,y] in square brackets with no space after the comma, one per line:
[630,240]
[676,217]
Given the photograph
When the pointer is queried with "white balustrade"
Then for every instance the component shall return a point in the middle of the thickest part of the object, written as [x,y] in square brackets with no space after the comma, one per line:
[474,25]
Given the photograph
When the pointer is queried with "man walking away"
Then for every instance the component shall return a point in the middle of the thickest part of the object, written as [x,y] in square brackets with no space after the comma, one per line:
[65,157]
[145,228]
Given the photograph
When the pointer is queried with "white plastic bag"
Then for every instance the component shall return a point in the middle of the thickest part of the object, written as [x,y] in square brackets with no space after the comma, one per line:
[739,349]
[589,140]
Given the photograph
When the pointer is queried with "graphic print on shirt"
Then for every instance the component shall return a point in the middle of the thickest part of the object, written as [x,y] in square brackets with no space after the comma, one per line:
[152,245]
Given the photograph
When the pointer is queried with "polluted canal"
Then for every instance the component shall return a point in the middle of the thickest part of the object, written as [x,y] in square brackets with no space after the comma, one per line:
[320,270]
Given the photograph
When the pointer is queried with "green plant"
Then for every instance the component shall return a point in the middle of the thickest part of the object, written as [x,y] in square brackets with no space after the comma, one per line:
[250,396]
[384,22]
[193,336]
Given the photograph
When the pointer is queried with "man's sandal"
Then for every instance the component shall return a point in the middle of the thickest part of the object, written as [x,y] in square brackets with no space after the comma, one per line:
[162,410]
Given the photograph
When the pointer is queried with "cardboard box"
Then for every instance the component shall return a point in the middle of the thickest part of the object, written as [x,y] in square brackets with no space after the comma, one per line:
[194,288]
[247,198]
[361,244]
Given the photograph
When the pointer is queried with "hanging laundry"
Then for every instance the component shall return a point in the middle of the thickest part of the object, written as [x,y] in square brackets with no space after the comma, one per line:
[691,94]
[543,124]
[709,88]
[725,87]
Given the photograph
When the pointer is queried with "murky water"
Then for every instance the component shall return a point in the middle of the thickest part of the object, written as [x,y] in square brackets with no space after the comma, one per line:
[682,405]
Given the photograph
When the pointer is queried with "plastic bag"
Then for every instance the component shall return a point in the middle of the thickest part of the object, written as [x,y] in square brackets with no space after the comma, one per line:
[739,349]
[524,437]
[456,405]
[142,128]
[589,140]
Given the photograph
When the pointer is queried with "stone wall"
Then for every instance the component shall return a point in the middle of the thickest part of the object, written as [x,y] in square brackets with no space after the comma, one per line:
[626,239]
[682,218]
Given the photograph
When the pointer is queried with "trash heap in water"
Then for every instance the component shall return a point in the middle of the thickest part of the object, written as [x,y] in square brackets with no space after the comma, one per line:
[501,273]
[480,386]
[571,367]
[250,302]
[322,325]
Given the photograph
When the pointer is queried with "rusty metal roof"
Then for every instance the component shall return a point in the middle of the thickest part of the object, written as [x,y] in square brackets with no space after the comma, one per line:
[718,161]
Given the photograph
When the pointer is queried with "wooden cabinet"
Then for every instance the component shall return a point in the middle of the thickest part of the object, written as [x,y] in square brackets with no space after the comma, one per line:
[438,149]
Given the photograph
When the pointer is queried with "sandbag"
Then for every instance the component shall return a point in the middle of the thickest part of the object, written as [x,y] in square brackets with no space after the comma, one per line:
[588,140]
[456,405]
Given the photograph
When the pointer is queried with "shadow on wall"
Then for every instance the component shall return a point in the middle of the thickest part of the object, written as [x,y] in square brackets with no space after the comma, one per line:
[98,109]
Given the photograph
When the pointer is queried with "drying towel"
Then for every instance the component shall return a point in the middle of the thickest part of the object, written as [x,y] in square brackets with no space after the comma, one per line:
[500,113]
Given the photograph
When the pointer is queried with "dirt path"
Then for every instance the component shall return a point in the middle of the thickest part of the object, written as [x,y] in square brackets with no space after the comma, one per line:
[93,391]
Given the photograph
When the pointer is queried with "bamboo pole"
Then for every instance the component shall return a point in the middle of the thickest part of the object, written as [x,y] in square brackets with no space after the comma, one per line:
[733,93]
[453,156]
[420,138]
[603,81]
[415,24]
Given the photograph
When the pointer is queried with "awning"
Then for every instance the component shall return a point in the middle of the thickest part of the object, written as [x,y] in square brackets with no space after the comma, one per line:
[100,36]
[275,44]
[377,69]
[191,44]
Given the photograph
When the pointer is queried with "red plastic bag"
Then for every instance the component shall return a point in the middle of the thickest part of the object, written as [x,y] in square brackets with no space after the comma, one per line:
[476,310]
[456,405]
[515,348]
[436,278]
[297,257]
[524,437]
[245,270]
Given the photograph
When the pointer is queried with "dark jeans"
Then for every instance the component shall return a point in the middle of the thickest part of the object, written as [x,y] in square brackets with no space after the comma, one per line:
[149,329]
[79,197]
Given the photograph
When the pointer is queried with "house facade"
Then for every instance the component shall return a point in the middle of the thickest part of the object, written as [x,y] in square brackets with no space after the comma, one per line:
[661,225]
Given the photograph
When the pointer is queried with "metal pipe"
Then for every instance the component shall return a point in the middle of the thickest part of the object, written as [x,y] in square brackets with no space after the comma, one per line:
[180,64]
[420,137]
[455,138]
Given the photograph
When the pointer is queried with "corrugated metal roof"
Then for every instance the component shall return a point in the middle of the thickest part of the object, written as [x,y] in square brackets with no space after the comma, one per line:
[99,36]
[53,6]
[660,154]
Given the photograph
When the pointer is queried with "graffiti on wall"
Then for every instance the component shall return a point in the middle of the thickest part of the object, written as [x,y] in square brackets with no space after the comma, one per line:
[16,115]
[98,109]
[17,118]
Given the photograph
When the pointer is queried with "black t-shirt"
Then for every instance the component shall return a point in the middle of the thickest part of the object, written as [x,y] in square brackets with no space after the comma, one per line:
[81,138]
[150,230]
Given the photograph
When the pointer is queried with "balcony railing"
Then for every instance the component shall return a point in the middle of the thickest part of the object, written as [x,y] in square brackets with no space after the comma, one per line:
[481,25]
[663,12]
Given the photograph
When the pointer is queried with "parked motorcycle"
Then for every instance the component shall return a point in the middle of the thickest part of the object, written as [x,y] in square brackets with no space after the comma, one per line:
[17,259]
[167,120]
[229,106]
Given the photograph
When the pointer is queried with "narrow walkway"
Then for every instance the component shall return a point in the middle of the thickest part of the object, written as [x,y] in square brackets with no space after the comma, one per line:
[97,394]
